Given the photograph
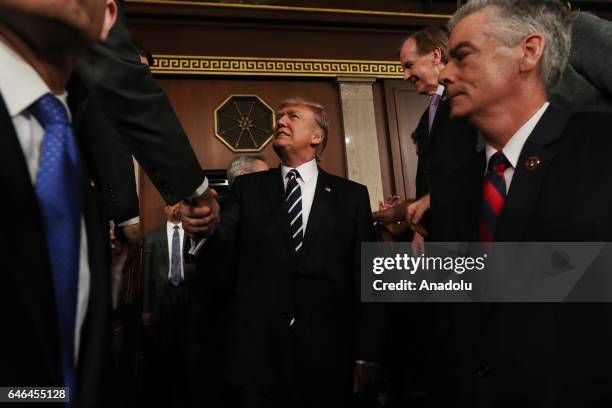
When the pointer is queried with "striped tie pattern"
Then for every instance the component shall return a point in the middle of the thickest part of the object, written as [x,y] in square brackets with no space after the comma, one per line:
[293,194]
[494,196]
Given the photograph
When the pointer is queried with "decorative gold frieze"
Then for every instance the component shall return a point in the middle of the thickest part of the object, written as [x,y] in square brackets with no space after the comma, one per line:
[248,66]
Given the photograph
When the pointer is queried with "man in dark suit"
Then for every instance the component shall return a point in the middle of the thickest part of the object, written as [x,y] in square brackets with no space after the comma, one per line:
[169,300]
[145,120]
[443,144]
[297,328]
[504,58]
[55,297]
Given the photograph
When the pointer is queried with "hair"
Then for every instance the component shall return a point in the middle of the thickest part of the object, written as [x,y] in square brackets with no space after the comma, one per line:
[430,38]
[320,117]
[241,163]
[515,19]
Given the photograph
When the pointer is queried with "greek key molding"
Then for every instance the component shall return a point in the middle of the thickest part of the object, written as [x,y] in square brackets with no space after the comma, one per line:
[247,66]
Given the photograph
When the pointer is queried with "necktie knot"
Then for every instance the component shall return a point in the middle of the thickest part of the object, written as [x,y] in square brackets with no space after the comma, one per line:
[49,110]
[498,163]
[293,174]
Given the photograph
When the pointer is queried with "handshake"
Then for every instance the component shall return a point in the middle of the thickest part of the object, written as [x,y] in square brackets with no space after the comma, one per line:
[200,215]
[410,211]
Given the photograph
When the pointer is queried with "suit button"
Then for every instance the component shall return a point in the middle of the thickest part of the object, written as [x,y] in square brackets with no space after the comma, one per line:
[484,371]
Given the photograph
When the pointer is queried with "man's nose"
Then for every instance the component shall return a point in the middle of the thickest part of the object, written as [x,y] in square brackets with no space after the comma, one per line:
[407,74]
[445,75]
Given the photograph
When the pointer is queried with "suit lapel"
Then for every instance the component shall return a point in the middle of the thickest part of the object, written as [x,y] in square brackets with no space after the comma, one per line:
[164,264]
[468,200]
[319,211]
[526,184]
[275,193]
[34,282]
[442,113]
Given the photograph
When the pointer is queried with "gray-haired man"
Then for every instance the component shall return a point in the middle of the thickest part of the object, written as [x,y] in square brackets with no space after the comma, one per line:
[504,57]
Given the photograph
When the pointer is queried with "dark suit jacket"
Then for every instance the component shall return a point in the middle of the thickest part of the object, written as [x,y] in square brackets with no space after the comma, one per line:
[141,112]
[107,153]
[297,314]
[172,307]
[449,145]
[30,354]
[540,355]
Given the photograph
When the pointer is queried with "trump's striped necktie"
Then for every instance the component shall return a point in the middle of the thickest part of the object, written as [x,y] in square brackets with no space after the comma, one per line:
[293,194]
[494,195]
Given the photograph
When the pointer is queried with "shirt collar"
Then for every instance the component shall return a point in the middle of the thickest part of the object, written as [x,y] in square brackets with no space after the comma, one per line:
[20,84]
[307,170]
[440,90]
[514,146]
[170,226]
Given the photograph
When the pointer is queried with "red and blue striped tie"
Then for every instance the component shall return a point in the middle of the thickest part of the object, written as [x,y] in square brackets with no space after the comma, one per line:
[494,196]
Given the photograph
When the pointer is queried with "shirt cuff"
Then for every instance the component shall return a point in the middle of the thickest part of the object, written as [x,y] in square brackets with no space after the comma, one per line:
[367,363]
[200,190]
[131,221]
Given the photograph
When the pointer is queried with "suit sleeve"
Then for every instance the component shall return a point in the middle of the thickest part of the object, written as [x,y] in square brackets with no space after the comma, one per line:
[113,167]
[588,32]
[371,315]
[222,243]
[142,113]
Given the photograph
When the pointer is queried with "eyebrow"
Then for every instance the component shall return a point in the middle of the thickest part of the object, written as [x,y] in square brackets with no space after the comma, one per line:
[463,44]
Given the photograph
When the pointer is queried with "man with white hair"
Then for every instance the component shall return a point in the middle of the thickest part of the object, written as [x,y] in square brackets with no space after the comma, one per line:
[504,57]
[245,164]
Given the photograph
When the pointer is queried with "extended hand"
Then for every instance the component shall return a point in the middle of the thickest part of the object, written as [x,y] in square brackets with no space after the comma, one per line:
[200,215]
[415,210]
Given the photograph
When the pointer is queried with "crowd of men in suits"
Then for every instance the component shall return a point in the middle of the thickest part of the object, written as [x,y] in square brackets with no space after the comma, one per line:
[262,292]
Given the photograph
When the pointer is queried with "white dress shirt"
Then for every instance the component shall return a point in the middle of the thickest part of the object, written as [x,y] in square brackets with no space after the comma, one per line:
[170,234]
[512,149]
[21,86]
[309,172]
[440,90]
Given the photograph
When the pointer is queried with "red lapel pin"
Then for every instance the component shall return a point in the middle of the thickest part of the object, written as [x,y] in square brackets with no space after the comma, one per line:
[532,163]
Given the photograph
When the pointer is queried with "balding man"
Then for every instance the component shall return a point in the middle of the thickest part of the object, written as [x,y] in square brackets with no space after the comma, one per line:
[443,144]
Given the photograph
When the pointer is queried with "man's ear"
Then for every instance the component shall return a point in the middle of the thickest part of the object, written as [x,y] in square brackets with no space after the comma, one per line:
[317,138]
[437,55]
[532,48]
[110,16]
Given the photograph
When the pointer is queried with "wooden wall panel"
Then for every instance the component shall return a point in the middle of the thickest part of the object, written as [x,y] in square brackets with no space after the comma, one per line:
[404,109]
[195,100]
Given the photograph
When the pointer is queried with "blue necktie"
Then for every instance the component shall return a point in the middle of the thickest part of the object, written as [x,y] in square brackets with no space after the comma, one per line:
[293,193]
[175,267]
[433,108]
[59,193]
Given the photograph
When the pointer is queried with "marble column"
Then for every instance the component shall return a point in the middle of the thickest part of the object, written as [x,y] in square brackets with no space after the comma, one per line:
[361,139]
